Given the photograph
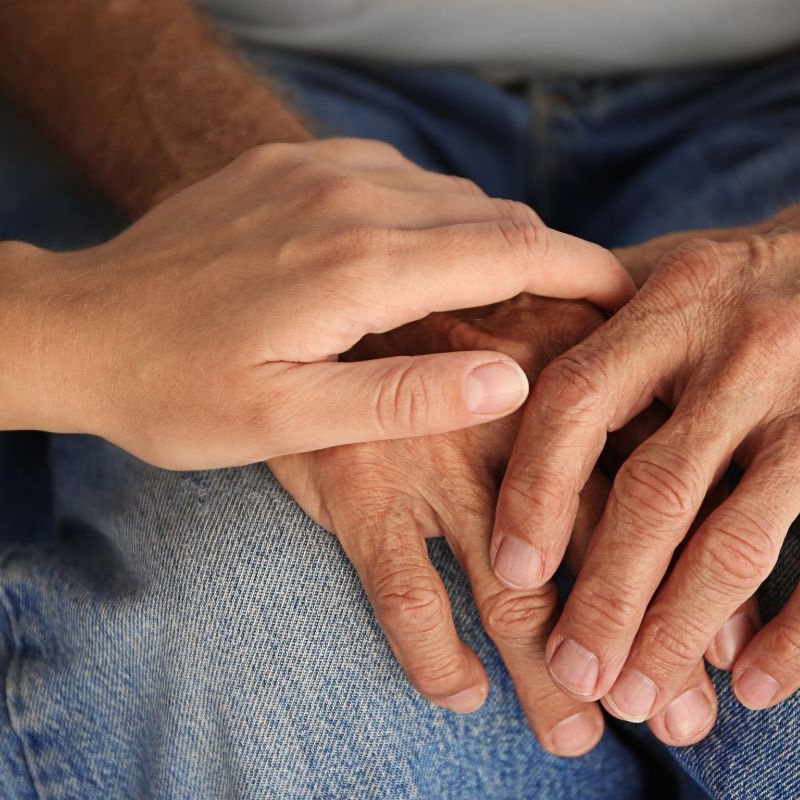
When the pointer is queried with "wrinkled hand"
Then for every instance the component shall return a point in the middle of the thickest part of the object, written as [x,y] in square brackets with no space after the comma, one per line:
[715,334]
[206,335]
[383,499]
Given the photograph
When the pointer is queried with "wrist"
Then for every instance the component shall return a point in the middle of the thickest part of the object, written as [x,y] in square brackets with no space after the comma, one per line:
[38,334]
[20,397]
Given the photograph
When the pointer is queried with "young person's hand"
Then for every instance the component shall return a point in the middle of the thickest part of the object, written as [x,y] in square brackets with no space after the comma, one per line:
[206,335]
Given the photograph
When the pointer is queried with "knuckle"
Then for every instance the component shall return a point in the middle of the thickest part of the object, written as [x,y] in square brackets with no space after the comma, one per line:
[437,674]
[706,253]
[409,602]
[338,192]
[737,552]
[524,238]
[602,608]
[260,157]
[572,386]
[374,146]
[359,145]
[759,252]
[464,185]
[515,210]
[697,260]
[677,644]
[656,485]
[713,269]
[549,496]
[405,400]
[355,245]
[514,619]
[691,275]
[785,643]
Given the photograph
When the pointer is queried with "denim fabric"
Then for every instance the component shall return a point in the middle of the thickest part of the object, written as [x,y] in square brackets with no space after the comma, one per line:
[194,635]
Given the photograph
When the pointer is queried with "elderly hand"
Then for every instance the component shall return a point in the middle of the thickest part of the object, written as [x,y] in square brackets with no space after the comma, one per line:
[715,334]
[383,499]
[206,335]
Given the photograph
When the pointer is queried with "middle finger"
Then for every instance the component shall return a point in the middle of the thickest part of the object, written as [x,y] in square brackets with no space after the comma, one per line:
[518,622]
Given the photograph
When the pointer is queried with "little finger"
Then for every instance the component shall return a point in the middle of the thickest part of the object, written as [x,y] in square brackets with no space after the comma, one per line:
[768,670]
[412,607]
[735,635]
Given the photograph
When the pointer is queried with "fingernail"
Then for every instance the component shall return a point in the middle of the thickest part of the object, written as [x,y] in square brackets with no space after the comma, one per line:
[633,696]
[575,735]
[575,668]
[467,701]
[756,689]
[495,387]
[733,638]
[518,564]
[688,714]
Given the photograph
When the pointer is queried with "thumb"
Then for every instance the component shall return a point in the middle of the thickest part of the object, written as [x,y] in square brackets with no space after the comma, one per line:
[319,405]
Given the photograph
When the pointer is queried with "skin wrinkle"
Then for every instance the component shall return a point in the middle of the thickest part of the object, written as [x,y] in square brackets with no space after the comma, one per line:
[517,621]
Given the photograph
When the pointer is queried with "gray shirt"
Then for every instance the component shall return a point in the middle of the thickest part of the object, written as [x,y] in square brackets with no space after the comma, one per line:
[577,36]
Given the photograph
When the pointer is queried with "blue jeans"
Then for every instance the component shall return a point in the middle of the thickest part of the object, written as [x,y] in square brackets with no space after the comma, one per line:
[195,635]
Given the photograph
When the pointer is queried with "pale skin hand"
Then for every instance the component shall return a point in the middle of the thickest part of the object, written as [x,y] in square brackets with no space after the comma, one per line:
[714,333]
[206,334]
[357,212]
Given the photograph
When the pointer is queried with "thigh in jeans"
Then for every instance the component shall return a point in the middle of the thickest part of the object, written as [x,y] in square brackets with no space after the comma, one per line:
[195,635]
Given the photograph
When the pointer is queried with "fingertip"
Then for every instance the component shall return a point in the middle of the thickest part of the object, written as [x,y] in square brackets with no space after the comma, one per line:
[599,275]
[611,299]
[495,388]
[632,697]
[573,668]
[755,689]
[517,564]
[689,717]
[466,701]
[575,735]
[730,641]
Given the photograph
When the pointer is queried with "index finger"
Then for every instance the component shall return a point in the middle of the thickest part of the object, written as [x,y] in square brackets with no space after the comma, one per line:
[566,266]
[594,388]
[411,273]
[519,623]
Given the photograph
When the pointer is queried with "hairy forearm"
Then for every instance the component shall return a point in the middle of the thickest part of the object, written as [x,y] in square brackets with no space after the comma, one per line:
[140,93]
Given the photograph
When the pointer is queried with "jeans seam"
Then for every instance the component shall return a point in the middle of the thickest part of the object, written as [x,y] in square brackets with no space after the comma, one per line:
[4,605]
